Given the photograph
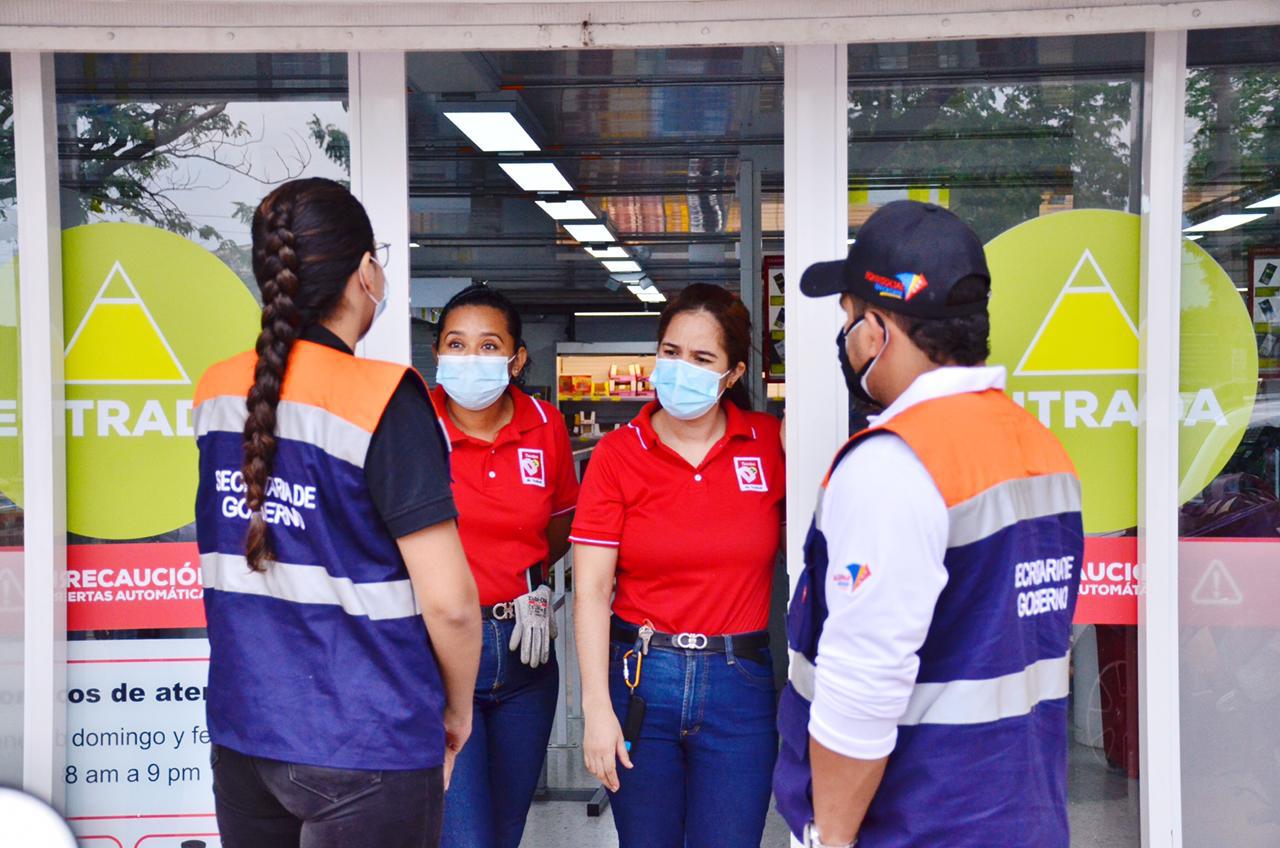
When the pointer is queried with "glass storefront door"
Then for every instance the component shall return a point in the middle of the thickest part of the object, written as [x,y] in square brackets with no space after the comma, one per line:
[1229,523]
[163,159]
[1034,142]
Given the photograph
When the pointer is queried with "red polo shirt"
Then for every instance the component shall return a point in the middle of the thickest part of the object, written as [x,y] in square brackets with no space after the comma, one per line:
[507,491]
[696,546]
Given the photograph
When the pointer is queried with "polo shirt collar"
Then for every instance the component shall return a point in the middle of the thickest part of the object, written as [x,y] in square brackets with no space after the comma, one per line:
[321,335]
[737,424]
[528,415]
[943,382]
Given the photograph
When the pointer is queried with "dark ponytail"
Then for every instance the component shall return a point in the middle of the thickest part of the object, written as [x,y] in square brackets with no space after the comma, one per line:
[735,328]
[309,237]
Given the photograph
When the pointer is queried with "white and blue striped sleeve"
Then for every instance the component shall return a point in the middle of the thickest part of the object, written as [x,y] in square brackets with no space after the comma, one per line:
[886,528]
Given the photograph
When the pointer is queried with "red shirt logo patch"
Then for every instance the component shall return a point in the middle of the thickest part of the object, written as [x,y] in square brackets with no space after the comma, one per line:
[750,471]
[533,471]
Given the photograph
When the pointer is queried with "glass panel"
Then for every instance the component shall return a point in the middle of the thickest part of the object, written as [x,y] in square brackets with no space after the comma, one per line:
[1034,142]
[11,582]
[1229,555]
[163,160]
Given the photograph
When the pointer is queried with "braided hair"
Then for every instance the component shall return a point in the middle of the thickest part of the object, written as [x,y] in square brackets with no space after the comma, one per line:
[309,237]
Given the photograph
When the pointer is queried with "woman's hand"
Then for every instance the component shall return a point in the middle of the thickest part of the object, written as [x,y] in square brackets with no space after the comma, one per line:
[603,745]
[457,730]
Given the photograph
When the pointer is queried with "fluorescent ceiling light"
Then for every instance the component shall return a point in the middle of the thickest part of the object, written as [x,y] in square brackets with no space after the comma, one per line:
[614,314]
[1193,238]
[1272,202]
[536,176]
[608,253]
[1222,222]
[414,244]
[493,132]
[626,266]
[589,233]
[649,295]
[566,210]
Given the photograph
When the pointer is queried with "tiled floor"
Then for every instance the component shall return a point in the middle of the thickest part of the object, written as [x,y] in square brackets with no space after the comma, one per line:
[1103,809]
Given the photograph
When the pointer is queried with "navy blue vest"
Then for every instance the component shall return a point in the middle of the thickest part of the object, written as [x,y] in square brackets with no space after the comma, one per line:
[981,756]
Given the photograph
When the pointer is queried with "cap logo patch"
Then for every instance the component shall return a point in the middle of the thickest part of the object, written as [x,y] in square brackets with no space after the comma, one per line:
[913,284]
[904,287]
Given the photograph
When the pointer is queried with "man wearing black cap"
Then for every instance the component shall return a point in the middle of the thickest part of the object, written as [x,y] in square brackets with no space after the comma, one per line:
[930,627]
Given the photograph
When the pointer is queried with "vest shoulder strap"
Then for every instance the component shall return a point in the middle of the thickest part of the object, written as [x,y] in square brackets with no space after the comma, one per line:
[972,441]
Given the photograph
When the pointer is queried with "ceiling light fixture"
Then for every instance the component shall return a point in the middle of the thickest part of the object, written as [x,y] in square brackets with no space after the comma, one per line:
[567,210]
[1193,238]
[608,253]
[589,233]
[536,176]
[1272,202]
[494,132]
[649,295]
[615,315]
[1222,222]
[625,266]
[414,244]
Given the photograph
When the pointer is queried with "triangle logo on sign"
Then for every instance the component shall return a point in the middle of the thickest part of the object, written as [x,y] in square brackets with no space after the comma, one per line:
[1086,331]
[1217,588]
[119,343]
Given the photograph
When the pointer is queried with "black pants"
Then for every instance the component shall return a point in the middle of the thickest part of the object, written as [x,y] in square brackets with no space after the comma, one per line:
[269,804]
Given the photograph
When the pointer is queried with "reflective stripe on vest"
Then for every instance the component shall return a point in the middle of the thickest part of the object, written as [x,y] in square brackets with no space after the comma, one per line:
[310,584]
[966,701]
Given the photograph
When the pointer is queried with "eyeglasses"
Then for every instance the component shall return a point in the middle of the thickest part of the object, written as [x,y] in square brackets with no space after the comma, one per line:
[382,253]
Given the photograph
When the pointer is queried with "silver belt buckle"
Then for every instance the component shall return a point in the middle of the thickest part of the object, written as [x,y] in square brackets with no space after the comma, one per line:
[503,611]
[690,641]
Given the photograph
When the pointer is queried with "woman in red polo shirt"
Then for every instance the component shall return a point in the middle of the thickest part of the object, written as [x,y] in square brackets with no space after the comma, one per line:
[515,488]
[683,510]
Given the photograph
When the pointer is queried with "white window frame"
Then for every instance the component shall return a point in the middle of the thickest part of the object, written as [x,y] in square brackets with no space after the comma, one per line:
[816,34]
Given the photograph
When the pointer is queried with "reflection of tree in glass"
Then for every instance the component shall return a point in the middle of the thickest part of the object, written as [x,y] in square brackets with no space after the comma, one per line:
[1235,125]
[997,146]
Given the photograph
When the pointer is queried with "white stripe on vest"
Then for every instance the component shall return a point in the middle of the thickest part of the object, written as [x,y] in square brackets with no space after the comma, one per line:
[310,584]
[966,701]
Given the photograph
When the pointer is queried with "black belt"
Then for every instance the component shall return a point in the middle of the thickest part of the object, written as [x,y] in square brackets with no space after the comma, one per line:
[507,609]
[747,645]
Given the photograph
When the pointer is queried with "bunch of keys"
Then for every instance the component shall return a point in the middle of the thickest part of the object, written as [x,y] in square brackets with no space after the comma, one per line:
[635,704]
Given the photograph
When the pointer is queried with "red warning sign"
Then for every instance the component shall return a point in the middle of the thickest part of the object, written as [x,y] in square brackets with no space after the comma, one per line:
[134,587]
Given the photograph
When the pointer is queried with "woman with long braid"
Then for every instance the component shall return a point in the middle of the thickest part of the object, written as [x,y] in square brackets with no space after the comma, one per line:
[343,619]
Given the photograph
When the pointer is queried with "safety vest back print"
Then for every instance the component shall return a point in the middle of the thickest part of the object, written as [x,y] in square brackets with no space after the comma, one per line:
[981,755]
[322,658]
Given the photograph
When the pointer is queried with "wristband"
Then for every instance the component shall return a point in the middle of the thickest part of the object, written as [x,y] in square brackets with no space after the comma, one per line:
[812,839]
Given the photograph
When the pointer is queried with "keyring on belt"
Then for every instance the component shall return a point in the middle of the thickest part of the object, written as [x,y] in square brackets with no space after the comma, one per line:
[626,670]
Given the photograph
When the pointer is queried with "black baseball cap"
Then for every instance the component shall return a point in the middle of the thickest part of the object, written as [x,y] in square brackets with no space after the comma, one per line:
[906,258]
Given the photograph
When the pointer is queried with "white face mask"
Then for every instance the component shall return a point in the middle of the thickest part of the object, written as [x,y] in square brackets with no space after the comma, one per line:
[379,306]
[472,381]
[685,390]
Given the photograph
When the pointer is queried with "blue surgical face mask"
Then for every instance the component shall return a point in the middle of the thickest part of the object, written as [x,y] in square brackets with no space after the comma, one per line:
[473,382]
[686,391]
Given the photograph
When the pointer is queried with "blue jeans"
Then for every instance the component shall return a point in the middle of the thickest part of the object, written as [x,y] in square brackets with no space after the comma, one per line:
[497,772]
[703,764]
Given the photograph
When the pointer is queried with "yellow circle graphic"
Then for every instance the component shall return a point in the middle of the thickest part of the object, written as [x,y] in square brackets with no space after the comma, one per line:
[1065,322]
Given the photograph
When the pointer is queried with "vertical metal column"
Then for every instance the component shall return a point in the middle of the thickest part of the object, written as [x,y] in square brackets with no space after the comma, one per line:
[1158,338]
[380,178]
[816,183]
[750,285]
[43,429]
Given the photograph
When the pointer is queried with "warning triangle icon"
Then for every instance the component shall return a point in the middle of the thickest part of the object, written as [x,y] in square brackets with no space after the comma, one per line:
[118,341]
[1086,331]
[11,596]
[1217,588]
